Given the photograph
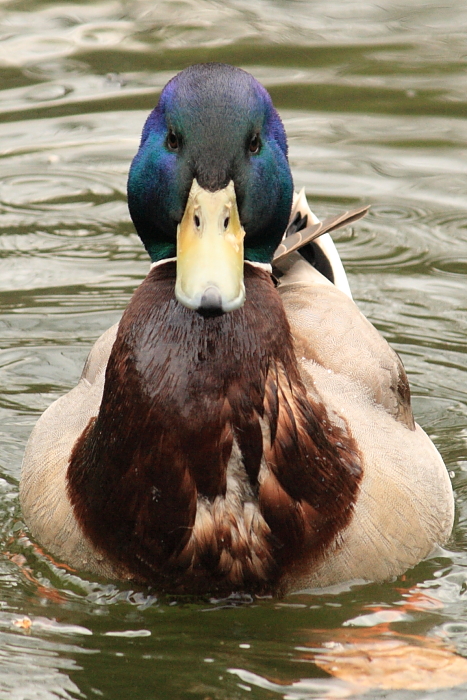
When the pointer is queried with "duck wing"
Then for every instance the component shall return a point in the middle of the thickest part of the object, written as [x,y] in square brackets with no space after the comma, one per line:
[43,487]
[404,506]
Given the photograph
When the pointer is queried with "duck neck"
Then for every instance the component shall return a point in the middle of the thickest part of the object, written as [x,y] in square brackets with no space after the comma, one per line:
[188,401]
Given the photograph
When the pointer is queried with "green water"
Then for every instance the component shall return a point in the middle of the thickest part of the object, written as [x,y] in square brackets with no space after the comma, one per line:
[373,97]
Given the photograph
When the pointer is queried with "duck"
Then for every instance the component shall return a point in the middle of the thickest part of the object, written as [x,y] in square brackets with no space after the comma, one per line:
[244,427]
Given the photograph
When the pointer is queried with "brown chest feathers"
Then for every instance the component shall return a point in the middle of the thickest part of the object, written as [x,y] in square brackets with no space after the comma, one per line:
[209,469]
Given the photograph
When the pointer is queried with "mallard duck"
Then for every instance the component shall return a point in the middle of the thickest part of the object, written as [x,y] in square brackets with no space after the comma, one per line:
[242,428]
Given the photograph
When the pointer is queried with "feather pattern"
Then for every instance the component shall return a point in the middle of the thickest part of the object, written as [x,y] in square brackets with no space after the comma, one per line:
[163,506]
[307,235]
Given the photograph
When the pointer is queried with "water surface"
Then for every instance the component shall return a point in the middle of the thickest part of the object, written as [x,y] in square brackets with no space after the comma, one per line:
[373,97]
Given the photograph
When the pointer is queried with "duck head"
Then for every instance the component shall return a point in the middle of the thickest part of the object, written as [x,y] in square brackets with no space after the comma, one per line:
[210,184]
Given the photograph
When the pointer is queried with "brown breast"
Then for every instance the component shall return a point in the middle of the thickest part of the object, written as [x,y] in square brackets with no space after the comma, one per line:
[209,468]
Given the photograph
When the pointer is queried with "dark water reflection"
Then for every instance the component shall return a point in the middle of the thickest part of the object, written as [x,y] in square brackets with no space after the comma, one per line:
[373,95]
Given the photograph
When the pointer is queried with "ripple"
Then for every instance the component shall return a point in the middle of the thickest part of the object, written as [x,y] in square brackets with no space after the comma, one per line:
[452,267]
[43,93]
[40,192]
[448,227]
[42,681]
[398,212]
[374,248]
[55,68]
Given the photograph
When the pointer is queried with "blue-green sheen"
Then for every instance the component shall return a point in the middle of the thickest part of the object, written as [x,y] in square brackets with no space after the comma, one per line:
[214,110]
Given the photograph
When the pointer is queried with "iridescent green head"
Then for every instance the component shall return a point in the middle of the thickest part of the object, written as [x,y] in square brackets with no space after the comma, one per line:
[214,125]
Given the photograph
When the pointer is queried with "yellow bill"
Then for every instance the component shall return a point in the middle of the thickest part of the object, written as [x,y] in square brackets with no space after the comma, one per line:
[210,251]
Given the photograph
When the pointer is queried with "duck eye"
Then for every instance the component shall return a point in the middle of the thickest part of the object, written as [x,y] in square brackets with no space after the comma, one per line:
[255,144]
[172,141]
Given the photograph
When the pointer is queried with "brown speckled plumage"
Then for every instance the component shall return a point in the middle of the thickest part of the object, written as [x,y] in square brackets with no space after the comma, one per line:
[180,389]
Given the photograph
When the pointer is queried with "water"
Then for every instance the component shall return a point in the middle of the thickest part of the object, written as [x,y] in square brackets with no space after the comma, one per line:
[373,96]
